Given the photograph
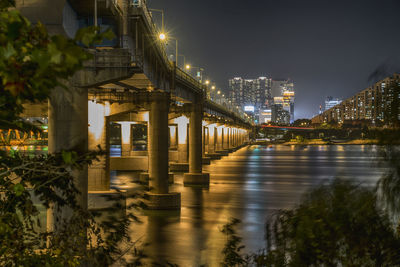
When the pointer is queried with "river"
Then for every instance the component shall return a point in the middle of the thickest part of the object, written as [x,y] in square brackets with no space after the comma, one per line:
[249,184]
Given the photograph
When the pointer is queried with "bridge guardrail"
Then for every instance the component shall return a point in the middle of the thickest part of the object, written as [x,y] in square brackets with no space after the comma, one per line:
[185,76]
[141,5]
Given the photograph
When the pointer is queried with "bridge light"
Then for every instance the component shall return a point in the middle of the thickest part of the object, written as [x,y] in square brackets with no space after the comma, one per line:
[187,66]
[213,87]
[207,82]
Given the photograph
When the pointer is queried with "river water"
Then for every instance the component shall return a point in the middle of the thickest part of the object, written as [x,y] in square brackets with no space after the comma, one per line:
[249,184]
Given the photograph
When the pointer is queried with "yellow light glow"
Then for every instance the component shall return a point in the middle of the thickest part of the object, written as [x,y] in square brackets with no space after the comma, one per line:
[218,92]
[207,82]
[213,87]
[211,129]
[162,36]
[96,119]
[125,132]
[187,67]
[182,123]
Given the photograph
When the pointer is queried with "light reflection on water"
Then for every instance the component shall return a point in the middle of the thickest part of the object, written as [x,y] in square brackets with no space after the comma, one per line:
[249,185]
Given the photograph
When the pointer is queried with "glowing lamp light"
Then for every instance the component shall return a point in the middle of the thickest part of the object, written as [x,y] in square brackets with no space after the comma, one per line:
[162,36]
[213,87]
[187,67]
[207,82]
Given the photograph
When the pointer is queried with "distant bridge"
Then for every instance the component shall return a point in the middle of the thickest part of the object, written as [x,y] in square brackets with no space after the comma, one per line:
[286,127]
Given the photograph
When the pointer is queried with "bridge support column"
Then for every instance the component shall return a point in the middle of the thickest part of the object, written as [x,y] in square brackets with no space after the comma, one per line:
[159,198]
[68,130]
[195,175]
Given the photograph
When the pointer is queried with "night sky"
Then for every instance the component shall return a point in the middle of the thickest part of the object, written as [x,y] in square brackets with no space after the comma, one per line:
[327,47]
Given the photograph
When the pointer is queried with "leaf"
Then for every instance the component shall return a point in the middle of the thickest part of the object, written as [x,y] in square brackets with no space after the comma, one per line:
[18,189]
[7,51]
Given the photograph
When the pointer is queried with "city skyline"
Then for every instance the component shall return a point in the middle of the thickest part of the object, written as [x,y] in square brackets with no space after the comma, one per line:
[299,47]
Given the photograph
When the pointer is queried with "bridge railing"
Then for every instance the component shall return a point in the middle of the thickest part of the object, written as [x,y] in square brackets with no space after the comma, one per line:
[188,78]
[141,4]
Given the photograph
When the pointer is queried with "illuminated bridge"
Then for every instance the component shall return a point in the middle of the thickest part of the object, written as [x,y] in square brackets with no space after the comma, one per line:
[130,91]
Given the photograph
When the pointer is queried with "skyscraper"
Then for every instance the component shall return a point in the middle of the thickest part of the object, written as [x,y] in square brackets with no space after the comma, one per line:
[250,92]
[283,95]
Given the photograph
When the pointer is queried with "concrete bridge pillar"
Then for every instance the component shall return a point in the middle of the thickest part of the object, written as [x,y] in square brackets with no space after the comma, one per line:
[159,198]
[195,175]
[68,130]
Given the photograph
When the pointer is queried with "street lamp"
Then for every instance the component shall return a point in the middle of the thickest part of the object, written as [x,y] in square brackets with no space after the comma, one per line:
[163,37]
[199,74]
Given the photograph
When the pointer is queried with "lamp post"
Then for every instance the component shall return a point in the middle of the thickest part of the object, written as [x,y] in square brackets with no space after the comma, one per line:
[163,37]
[199,74]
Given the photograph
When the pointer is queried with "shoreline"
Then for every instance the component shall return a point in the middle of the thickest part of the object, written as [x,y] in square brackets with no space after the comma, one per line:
[320,142]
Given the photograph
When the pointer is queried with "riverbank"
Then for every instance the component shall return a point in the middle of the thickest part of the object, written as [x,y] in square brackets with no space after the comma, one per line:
[328,142]
[320,142]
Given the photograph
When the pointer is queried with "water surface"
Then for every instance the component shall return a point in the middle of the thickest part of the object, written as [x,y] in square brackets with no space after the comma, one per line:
[249,184]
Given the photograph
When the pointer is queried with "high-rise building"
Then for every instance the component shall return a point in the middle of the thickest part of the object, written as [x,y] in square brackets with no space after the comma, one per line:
[236,91]
[283,94]
[330,102]
[262,94]
[375,104]
[279,86]
[250,92]
[279,114]
[265,116]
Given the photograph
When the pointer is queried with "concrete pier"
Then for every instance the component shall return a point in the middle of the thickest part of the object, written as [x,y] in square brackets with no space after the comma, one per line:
[68,130]
[159,197]
[195,175]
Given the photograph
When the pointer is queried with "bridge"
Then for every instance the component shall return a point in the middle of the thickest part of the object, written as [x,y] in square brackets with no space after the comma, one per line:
[130,82]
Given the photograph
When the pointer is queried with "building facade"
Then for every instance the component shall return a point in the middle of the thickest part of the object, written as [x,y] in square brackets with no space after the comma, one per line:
[250,92]
[330,102]
[376,104]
